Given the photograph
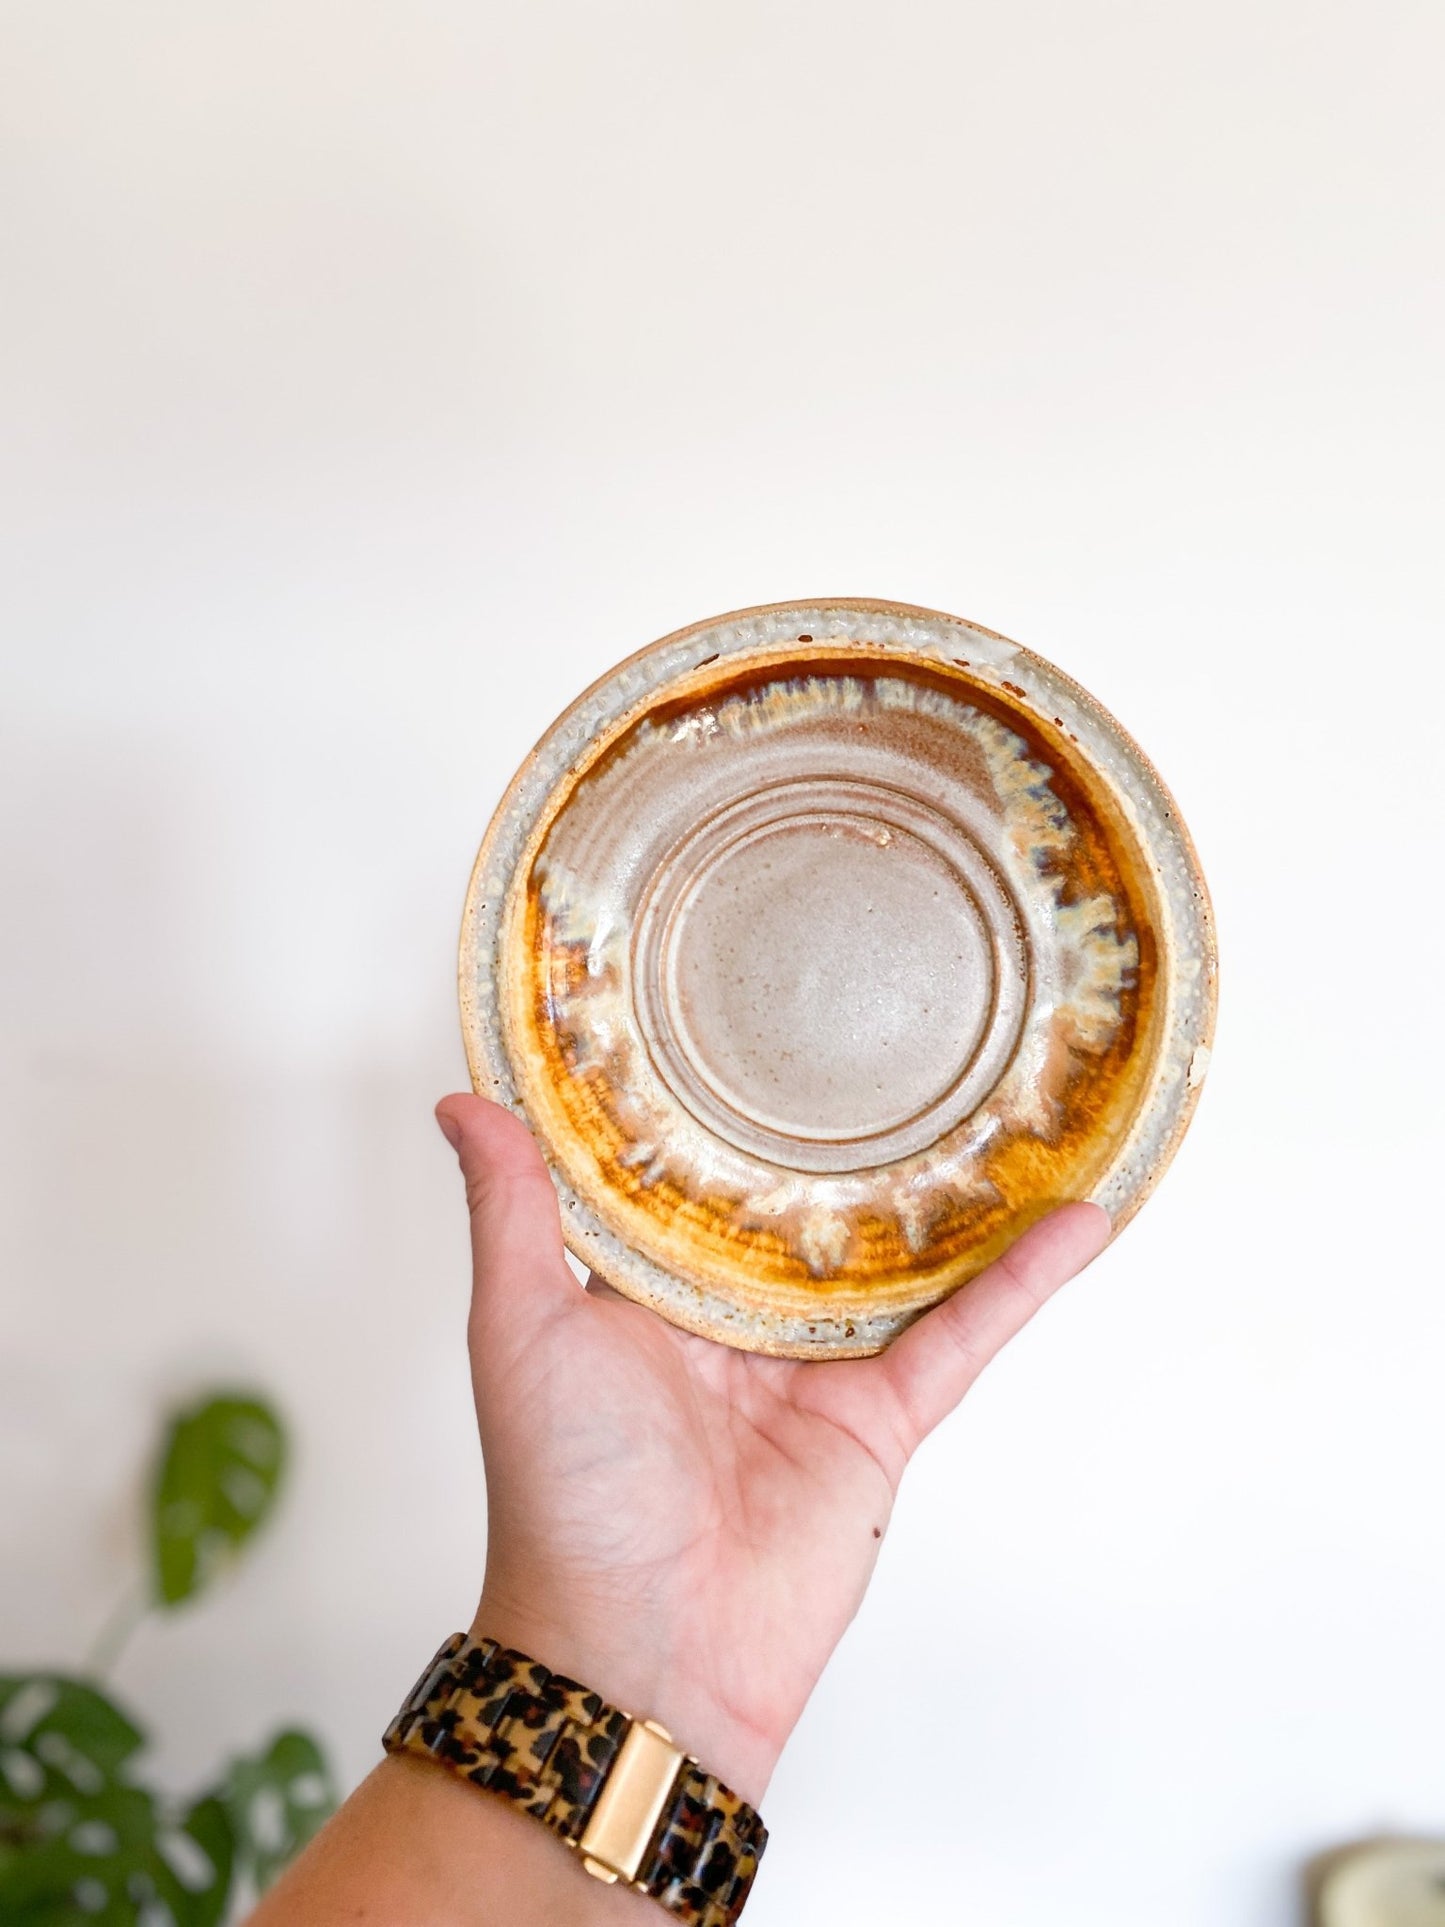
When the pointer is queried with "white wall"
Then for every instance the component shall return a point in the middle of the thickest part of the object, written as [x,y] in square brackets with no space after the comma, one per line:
[375,376]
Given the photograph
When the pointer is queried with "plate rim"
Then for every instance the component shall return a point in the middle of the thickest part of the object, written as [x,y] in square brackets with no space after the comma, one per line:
[580,1239]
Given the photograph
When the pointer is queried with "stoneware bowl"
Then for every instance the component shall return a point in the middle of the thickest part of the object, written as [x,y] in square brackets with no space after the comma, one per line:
[824,947]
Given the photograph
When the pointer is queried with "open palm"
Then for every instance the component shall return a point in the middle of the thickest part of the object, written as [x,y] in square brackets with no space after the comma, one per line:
[686,1527]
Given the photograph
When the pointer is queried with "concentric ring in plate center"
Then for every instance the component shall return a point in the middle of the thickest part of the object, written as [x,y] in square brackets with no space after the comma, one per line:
[828,974]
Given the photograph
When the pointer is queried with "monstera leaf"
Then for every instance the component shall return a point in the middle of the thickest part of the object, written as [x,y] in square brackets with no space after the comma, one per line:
[276,1801]
[80,1840]
[217,1481]
[60,1741]
[118,1862]
[77,1841]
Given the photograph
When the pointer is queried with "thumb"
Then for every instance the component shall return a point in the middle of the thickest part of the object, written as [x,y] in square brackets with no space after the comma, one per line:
[519,1268]
[933,1363]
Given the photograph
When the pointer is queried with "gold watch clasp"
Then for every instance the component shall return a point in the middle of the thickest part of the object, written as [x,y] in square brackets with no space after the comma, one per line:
[630,1802]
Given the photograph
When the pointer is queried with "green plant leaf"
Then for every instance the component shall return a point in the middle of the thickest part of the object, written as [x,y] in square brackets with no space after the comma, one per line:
[61,1742]
[118,1862]
[217,1481]
[277,1800]
[77,1843]
[200,1857]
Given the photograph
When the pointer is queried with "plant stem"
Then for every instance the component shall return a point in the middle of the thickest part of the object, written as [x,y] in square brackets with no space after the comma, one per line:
[114,1636]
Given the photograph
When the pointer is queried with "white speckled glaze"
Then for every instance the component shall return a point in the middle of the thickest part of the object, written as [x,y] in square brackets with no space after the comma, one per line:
[808,941]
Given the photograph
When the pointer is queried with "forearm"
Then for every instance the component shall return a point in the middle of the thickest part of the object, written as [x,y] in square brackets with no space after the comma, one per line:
[415,1846]
[640,1662]
[682,1531]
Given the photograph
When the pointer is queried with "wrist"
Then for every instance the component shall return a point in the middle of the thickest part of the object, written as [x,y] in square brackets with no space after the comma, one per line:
[619,1656]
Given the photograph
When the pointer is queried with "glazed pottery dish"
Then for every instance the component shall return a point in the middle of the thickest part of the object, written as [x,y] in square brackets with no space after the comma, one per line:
[824,947]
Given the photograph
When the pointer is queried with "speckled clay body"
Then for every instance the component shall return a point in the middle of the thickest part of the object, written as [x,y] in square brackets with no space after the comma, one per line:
[824,947]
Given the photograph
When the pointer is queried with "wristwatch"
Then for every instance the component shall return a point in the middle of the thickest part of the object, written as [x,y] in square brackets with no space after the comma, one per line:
[615,1788]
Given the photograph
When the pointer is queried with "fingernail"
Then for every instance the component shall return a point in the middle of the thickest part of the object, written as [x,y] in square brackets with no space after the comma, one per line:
[450,1129]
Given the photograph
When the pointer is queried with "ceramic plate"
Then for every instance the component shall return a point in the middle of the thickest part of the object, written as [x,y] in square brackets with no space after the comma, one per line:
[824,947]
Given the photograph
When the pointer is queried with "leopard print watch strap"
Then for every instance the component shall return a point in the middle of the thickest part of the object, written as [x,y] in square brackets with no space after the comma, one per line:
[504,1722]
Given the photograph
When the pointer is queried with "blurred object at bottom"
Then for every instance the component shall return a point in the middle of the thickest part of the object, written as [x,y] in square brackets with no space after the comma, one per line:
[1381,1883]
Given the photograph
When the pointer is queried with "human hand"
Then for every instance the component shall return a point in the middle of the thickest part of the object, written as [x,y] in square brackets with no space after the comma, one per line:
[684,1527]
